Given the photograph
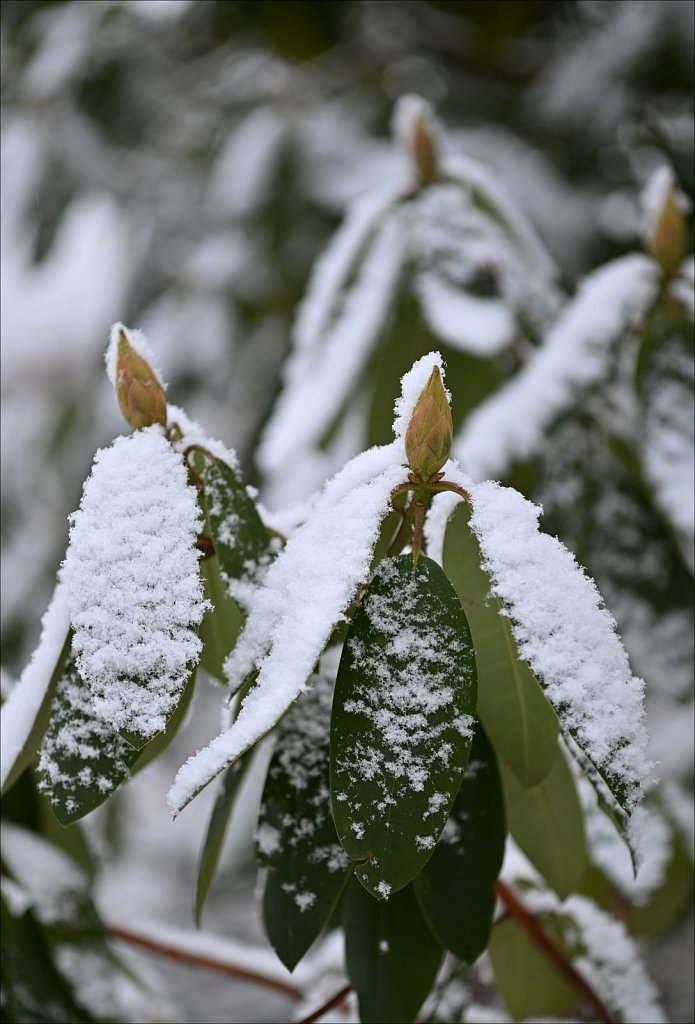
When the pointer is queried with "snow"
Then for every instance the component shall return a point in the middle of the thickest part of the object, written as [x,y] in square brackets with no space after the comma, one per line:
[140,345]
[193,433]
[466,322]
[410,111]
[242,177]
[133,585]
[660,186]
[303,596]
[561,627]
[575,355]
[319,384]
[51,879]
[19,712]
[612,964]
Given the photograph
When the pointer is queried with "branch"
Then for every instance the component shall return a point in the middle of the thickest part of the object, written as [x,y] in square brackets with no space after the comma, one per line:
[333,1001]
[552,949]
[198,960]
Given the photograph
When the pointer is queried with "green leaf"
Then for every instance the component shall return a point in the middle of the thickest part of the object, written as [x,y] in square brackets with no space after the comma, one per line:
[456,886]
[242,543]
[217,827]
[28,752]
[519,721]
[33,991]
[162,740]
[392,957]
[547,823]
[672,898]
[82,759]
[297,841]
[528,982]
[222,622]
[401,723]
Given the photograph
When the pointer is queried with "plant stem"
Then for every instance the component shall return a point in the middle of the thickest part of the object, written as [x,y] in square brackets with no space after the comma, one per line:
[198,960]
[552,949]
[333,1001]
[420,509]
[403,535]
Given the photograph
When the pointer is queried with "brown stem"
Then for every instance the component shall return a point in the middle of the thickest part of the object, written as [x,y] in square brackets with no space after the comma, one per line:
[553,951]
[420,509]
[196,959]
[403,535]
[333,1001]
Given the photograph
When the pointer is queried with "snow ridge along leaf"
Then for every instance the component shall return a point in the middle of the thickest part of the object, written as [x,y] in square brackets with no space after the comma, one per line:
[134,589]
[402,721]
[303,595]
[567,637]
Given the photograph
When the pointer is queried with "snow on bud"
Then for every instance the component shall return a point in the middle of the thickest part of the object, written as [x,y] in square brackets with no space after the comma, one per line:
[430,430]
[139,390]
[664,222]
[417,131]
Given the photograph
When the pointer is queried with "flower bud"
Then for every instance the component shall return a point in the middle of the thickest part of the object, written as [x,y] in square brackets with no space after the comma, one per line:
[666,238]
[138,389]
[430,431]
[417,131]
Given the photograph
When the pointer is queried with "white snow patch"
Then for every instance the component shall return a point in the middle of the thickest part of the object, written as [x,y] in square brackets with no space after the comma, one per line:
[139,343]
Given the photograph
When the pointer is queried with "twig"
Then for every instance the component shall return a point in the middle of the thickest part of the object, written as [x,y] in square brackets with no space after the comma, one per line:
[552,950]
[333,1001]
[197,960]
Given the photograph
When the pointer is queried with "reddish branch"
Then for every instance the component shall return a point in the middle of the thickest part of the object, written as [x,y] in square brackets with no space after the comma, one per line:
[552,949]
[333,1001]
[197,960]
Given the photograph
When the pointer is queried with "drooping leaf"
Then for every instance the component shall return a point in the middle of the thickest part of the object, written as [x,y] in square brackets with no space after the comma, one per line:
[33,991]
[217,827]
[522,726]
[527,980]
[401,727]
[297,841]
[392,957]
[546,821]
[456,886]
[222,622]
[82,760]
[242,543]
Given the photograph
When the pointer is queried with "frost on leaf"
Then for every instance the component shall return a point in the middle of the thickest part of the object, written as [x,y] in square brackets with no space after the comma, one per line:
[567,637]
[134,591]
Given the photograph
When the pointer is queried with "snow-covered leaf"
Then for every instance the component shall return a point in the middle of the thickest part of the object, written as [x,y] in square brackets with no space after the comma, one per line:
[521,724]
[402,721]
[577,354]
[473,323]
[82,760]
[296,838]
[392,957]
[134,589]
[305,592]
[456,886]
[242,544]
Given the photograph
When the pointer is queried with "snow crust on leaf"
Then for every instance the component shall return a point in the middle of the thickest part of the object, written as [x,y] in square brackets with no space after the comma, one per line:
[22,706]
[566,636]
[139,343]
[304,594]
[322,374]
[575,355]
[134,590]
